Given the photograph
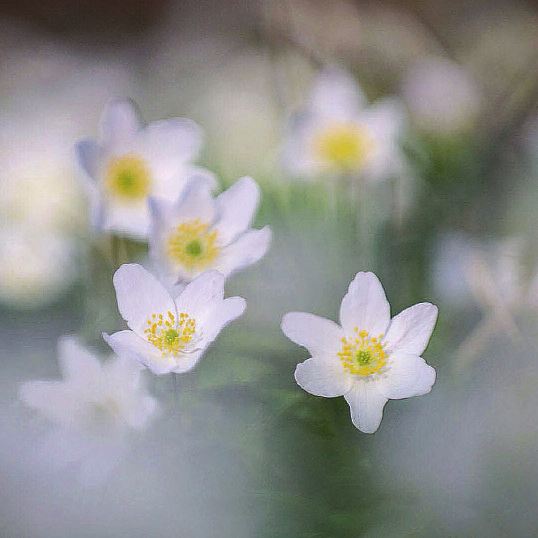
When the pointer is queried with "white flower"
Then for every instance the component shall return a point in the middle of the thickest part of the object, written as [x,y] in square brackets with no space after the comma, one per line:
[170,335]
[337,133]
[442,96]
[36,266]
[129,162]
[93,409]
[198,232]
[370,358]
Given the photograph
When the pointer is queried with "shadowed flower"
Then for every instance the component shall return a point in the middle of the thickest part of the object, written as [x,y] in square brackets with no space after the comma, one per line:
[370,358]
[199,232]
[130,162]
[338,133]
[93,408]
[168,335]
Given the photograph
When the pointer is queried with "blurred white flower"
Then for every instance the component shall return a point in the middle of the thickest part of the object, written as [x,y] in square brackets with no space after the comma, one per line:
[35,267]
[198,232]
[93,409]
[129,162]
[441,96]
[39,190]
[338,133]
[170,335]
[370,358]
[492,273]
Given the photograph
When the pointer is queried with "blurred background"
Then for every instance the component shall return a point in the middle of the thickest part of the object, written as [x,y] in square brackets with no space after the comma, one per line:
[239,449]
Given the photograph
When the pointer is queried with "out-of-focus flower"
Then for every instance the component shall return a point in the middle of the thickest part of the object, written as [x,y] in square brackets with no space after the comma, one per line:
[93,409]
[338,134]
[490,272]
[127,163]
[442,96]
[493,276]
[370,358]
[35,267]
[170,335]
[198,232]
[38,189]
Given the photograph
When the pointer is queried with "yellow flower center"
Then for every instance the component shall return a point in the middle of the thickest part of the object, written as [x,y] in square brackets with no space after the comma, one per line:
[192,245]
[345,146]
[167,335]
[363,355]
[128,178]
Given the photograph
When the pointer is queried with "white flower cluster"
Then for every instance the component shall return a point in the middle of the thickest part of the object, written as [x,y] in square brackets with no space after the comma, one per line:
[142,183]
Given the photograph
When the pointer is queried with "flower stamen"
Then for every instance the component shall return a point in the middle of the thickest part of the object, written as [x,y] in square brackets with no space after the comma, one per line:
[363,355]
[167,335]
[344,146]
[192,245]
[128,178]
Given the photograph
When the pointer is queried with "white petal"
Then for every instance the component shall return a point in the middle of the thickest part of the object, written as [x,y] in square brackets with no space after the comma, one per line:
[130,221]
[200,295]
[407,375]
[410,330]
[88,156]
[365,306]
[323,377]
[140,295]
[119,123]
[236,207]
[77,363]
[335,95]
[220,315]
[185,363]
[366,405]
[195,202]
[248,249]
[171,142]
[56,400]
[385,120]
[130,346]
[202,175]
[322,337]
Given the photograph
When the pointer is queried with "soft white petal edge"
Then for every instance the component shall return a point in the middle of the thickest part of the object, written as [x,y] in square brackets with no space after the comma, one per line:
[321,336]
[411,329]
[130,346]
[323,377]
[365,306]
[366,405]
[236,207]
[407,376]
[140,295]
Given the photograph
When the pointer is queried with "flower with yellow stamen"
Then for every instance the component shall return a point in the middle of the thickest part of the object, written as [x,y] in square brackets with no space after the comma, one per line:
[192,244]
[129,162]
[199,232]
[169,334]
[128,179]
[339,133]
[343,146]
[350,361]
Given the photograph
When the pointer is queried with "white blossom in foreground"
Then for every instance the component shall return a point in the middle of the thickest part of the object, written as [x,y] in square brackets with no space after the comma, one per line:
[338,133]
[370,358]
[199,232]
[94,408]
[129,162]
[168,335]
